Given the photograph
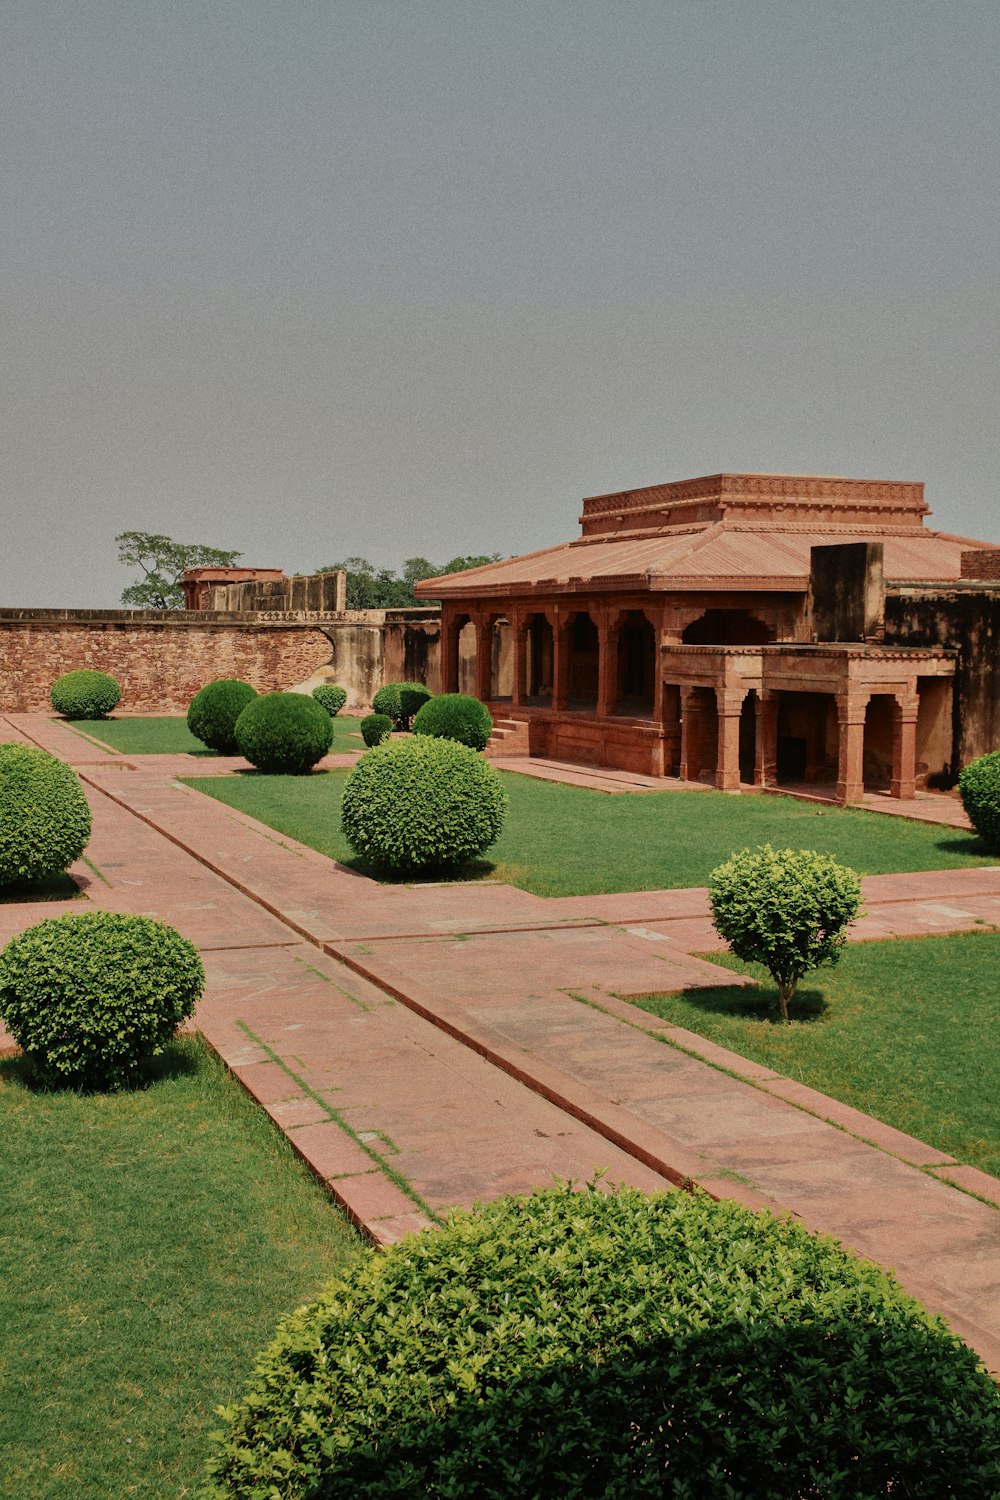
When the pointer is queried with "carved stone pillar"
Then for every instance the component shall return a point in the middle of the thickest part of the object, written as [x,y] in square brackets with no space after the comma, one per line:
[691,707]
[519,637]
[730,704]
[607,668]
[904,746]
[560,663]
[449,655]
[850,759]
[765,761]
[484,659]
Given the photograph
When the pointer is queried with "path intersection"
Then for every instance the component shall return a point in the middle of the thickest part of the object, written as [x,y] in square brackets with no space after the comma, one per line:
[432,1045]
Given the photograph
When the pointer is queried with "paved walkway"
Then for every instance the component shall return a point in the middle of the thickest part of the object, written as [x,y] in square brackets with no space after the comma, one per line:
[424,1046]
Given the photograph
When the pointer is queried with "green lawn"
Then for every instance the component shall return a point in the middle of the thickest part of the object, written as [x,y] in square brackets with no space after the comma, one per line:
[560,840]
[905,1030]
[149,1243]
[171,736]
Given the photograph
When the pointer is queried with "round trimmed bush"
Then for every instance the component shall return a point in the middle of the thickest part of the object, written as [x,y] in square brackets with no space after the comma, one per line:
[332,697]
[455,716]
[285,733]
[214,710]
[979,789]
[44,815]
[375,728]
[84,694]
[88,998]
[612,1345]
[421,804]
[400,700]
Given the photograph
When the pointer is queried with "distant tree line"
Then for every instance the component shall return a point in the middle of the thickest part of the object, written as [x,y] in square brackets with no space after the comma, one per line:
[163,562]
[369,587]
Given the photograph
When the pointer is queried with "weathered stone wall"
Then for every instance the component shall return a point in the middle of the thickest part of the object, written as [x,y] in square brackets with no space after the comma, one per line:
[846,591]
[966,617]
[162,658]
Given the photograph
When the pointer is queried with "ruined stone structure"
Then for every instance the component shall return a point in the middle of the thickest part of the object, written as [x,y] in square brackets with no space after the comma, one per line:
[757,629]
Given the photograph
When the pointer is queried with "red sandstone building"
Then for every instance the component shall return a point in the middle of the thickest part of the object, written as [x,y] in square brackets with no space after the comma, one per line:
[756,629]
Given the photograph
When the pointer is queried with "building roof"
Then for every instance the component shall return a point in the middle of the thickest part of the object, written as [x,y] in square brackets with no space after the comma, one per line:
[724,533]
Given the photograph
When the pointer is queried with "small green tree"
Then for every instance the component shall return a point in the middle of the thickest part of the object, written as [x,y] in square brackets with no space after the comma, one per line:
[163,562]
[786,909]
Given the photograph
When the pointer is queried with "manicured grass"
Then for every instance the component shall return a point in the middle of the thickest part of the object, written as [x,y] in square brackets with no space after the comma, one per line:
[171,736]
[560,841]
[904,1030]
[149,1243]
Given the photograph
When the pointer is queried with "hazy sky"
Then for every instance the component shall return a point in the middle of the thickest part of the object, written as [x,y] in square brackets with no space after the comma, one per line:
[410,277]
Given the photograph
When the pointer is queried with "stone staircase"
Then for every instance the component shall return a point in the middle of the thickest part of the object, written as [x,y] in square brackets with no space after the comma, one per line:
[509,737]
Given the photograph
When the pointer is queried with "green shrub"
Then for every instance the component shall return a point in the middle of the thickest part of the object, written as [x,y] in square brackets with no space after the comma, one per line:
[979,789]
[375,728]
[591,1345]
[420,804]
[455,716]
[786,909]
[84,695]
[214,710]
[285,733]
[44,815]
[400,700]
[331,696]
[88,998]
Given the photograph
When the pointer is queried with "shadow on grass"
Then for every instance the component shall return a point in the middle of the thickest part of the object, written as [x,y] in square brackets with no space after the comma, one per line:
[758,1004]
[179,1059]
[968,843]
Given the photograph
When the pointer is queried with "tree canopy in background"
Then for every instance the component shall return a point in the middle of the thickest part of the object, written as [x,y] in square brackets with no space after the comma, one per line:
[369,587]
[163,562]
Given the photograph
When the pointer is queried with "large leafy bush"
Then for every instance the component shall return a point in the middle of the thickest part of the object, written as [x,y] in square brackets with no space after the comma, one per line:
[979,789]
[455,716]
[85,694]
[214,710]
[419,804]
[400,701]
[787,909]
[332,697]
[590,1345]
[286,733]
[89,997]
[44,816]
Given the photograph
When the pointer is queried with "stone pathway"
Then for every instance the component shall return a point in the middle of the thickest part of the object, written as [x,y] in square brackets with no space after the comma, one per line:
[424,1046]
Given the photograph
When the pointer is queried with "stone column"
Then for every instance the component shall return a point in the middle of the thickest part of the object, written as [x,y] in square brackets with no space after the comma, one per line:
[765,765]
[519,638]
[607,667]
[730,704]
[449,655]
[560,663]
[904,746]
[484,659]
[850,760]
[690,734]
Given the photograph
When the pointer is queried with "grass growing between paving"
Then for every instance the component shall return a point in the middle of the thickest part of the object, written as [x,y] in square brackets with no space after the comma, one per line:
[903,1030]
[171,736]
[564,841]
[149,1243]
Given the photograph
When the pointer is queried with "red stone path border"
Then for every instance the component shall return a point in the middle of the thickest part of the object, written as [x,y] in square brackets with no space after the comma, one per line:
[424,1046]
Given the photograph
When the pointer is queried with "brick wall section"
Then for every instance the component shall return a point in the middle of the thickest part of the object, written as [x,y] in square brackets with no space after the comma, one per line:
[981,562]
[160,660]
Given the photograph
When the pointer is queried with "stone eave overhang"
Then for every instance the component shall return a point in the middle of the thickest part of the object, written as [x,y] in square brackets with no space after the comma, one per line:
[625,584]
[818,648]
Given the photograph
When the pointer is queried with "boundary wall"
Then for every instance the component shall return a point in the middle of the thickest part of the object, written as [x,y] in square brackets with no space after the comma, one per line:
[162,657]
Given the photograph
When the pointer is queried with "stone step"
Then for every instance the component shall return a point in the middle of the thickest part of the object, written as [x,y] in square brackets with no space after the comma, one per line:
[509,737]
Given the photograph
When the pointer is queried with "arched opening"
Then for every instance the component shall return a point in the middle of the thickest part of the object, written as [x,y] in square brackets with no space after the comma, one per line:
[727,627]
[584,657]
[807,745]
[539,660]
[501,660]
[934,733]
[877,759]
[636,666]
